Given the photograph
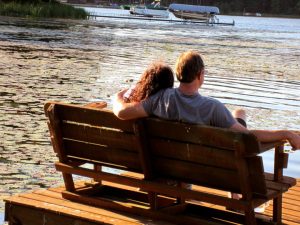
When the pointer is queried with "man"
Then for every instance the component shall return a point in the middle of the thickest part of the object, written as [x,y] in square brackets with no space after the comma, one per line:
[187,105]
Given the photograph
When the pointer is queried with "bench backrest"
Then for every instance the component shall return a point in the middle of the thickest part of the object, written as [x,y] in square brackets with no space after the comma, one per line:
[196,154]
[204,155]
[94,136]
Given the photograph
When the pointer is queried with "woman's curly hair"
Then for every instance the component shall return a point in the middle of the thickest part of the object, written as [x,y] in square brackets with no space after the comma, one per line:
[156,77]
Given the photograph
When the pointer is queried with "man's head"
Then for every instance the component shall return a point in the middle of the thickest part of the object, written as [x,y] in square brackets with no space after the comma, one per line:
[189,66]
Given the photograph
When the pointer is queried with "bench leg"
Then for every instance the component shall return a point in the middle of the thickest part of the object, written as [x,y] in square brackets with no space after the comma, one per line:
[277,210]
[152,198]
[250,216]
[69,183]
[181,200]
[98,168]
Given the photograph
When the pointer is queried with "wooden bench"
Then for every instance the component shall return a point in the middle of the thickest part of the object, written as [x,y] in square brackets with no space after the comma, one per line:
[153,150]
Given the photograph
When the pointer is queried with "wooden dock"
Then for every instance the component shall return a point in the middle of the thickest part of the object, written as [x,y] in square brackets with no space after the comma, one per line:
[46,206]
[153,19]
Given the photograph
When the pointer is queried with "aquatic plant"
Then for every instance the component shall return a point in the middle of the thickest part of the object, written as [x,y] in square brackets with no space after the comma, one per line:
[50,9]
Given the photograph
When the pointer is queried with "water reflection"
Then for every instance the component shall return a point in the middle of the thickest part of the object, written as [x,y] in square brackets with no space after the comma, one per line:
[82,61]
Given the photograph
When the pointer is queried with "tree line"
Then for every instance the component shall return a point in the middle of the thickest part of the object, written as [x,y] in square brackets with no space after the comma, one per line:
[284,7]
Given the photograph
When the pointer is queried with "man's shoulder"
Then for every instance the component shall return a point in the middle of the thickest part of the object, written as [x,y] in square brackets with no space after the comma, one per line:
[211,100]
[161,95]
[165,92]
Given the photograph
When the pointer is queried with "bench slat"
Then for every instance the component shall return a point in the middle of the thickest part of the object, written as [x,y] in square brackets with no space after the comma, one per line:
[97,117]
[193,153]
[99,135]
[103,155]
[197,174]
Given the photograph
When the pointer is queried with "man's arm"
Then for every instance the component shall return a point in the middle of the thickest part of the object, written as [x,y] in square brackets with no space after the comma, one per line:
[271,135]
[127,111]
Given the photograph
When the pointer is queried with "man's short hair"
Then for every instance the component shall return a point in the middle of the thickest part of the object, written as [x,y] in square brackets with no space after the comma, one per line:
[188,66]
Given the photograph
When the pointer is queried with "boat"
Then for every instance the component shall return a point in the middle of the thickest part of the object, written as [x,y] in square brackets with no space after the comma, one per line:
[151,10]
[195,12]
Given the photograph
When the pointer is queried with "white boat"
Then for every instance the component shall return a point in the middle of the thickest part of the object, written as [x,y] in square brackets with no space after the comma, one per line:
[152,10]
[195,12]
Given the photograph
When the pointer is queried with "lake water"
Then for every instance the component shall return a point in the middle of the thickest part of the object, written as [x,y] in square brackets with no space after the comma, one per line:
[254,64]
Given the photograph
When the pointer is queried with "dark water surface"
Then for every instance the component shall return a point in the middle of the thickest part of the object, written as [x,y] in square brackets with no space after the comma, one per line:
[255,64]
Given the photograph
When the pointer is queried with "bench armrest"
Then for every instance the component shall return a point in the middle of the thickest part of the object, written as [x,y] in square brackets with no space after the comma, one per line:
[280,157]
[97,105]
[280,162]
[266,146]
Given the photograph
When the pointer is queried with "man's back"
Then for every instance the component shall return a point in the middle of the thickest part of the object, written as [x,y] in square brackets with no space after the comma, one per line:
[172,104]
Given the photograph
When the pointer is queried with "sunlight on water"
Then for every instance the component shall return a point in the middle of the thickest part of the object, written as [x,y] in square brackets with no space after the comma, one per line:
[254,64]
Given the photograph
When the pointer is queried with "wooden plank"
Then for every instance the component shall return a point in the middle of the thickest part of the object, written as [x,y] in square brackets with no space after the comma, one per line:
[59,213]
[200,134]
[265,146]
[98,105]
[277,186]
[191,133]
[29,215]
[193,153]
[102,155]
[176,219]
[213,177]
[71,205]
[97,117]
[285,179]
[99,135]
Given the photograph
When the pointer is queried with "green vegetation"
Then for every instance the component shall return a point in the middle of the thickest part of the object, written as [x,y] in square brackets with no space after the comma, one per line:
[39,8]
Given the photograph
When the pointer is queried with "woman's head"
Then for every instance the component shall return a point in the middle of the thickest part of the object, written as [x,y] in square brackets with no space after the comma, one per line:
[157,76]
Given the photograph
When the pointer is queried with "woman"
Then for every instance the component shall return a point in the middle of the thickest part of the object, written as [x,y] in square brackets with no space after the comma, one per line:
[156,77]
